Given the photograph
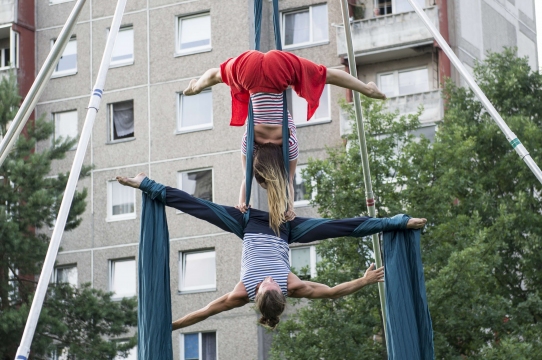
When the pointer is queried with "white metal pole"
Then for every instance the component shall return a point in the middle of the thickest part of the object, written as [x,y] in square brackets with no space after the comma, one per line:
[369,196]
[39,84]
[93,107]
[510,136]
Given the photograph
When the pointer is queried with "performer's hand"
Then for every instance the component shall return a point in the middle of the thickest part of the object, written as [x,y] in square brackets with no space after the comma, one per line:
[242,207]
[289,215]
[373,276]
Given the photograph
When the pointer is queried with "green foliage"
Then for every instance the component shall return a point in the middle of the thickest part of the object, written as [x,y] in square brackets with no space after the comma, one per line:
[482,247]
[29,201]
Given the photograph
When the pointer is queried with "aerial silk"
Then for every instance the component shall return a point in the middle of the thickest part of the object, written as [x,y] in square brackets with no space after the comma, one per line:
[154,295]
[409,329]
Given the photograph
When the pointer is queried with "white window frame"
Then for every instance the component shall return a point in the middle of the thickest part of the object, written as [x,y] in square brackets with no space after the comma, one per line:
[2,58]
[194,128]
[111,272]
[194,50]
[313,120]
[181,340]
[303,203]
[311,42]
[121,217]
[57,74]
[312,258]
[181,263]
[395,74]
[65,266]
[180,181]
[74,147]
[55,2]
[120,63]
[110,125]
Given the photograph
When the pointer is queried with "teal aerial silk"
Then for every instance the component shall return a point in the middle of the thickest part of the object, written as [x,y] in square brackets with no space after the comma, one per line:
[154,295]
[409,329]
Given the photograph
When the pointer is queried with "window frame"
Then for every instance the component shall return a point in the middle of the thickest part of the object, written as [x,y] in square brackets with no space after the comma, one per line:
[121,217]
[110,280]
[181,342]
[65,266]
[311,42]
[304,203]
[121,63]
[56,2]
[58,74]
[182,265]
[194,50]
[396,73]
[180,181]
[194,128]
[74,147]
[312,258]
[313,121]
[110,124]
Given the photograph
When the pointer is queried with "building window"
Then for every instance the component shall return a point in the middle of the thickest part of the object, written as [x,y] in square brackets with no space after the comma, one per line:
[120,202]
[67,65]
[122,278]
[198,183]
[66,274]
[308,26]
[123,51]
[197,271]
[194,34]
[301,196]
[195,112]
[5,58]
[298,108]
[386,7]
[121,120]
[65,126]
[404,82]
[303,260]
[199,346]
[427,131]
[132,355]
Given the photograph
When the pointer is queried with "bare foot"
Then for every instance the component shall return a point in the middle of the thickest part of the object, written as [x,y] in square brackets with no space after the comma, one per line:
[375,92]
[132,182]
[191,89]
[415,223]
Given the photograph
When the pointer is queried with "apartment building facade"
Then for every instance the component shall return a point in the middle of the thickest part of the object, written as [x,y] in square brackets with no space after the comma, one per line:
[145,124]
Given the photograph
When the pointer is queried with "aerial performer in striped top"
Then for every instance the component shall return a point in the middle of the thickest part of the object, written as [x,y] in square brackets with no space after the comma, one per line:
[266,278]
[262,77]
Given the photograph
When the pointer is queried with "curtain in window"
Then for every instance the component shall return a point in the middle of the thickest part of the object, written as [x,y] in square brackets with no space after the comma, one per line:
[204,184]
[68,60]
[124,46]
[297,28]
[122,199]
[123,118]
[208,346]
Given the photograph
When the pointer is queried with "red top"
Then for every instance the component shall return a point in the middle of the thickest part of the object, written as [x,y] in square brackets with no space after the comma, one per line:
[272,72]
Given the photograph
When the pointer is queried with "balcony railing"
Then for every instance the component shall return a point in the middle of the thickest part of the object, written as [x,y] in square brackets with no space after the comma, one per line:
[387,33]
[7,11]
[433,108]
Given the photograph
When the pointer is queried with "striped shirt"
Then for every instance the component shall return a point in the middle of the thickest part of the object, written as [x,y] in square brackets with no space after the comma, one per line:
[263,256]
[268,108]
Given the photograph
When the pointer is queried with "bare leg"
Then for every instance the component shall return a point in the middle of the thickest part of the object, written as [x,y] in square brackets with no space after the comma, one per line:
[416,223]
[209,78]
[345,80]
[132,182]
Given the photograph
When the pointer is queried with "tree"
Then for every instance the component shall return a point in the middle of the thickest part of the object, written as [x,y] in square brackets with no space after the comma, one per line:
[77,319]
[481,248]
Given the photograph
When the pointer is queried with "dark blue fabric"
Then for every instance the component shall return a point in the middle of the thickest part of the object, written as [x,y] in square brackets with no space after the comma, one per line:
[154,296]
[408,322]
[371,226]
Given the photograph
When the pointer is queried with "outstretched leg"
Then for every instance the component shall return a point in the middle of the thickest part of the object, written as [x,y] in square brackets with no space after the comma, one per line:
[345,80]
[209,78]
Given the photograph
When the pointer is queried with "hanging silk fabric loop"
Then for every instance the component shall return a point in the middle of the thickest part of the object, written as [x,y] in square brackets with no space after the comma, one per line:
[250,126]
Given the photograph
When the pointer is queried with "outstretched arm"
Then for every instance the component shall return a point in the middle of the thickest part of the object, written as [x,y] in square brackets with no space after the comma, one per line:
[226,302]
[312,290]
[209,78]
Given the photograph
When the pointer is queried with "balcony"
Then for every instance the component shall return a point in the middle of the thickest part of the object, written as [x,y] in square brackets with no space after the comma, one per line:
[388,37]
[433,108]
[7,11]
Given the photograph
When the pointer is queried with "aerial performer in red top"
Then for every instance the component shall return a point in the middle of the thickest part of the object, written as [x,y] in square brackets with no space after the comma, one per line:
[262,77]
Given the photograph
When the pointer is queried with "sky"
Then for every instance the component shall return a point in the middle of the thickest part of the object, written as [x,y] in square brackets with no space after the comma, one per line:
[538,10]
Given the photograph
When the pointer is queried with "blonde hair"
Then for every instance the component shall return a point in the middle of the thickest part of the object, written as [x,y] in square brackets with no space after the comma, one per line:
[269,170]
